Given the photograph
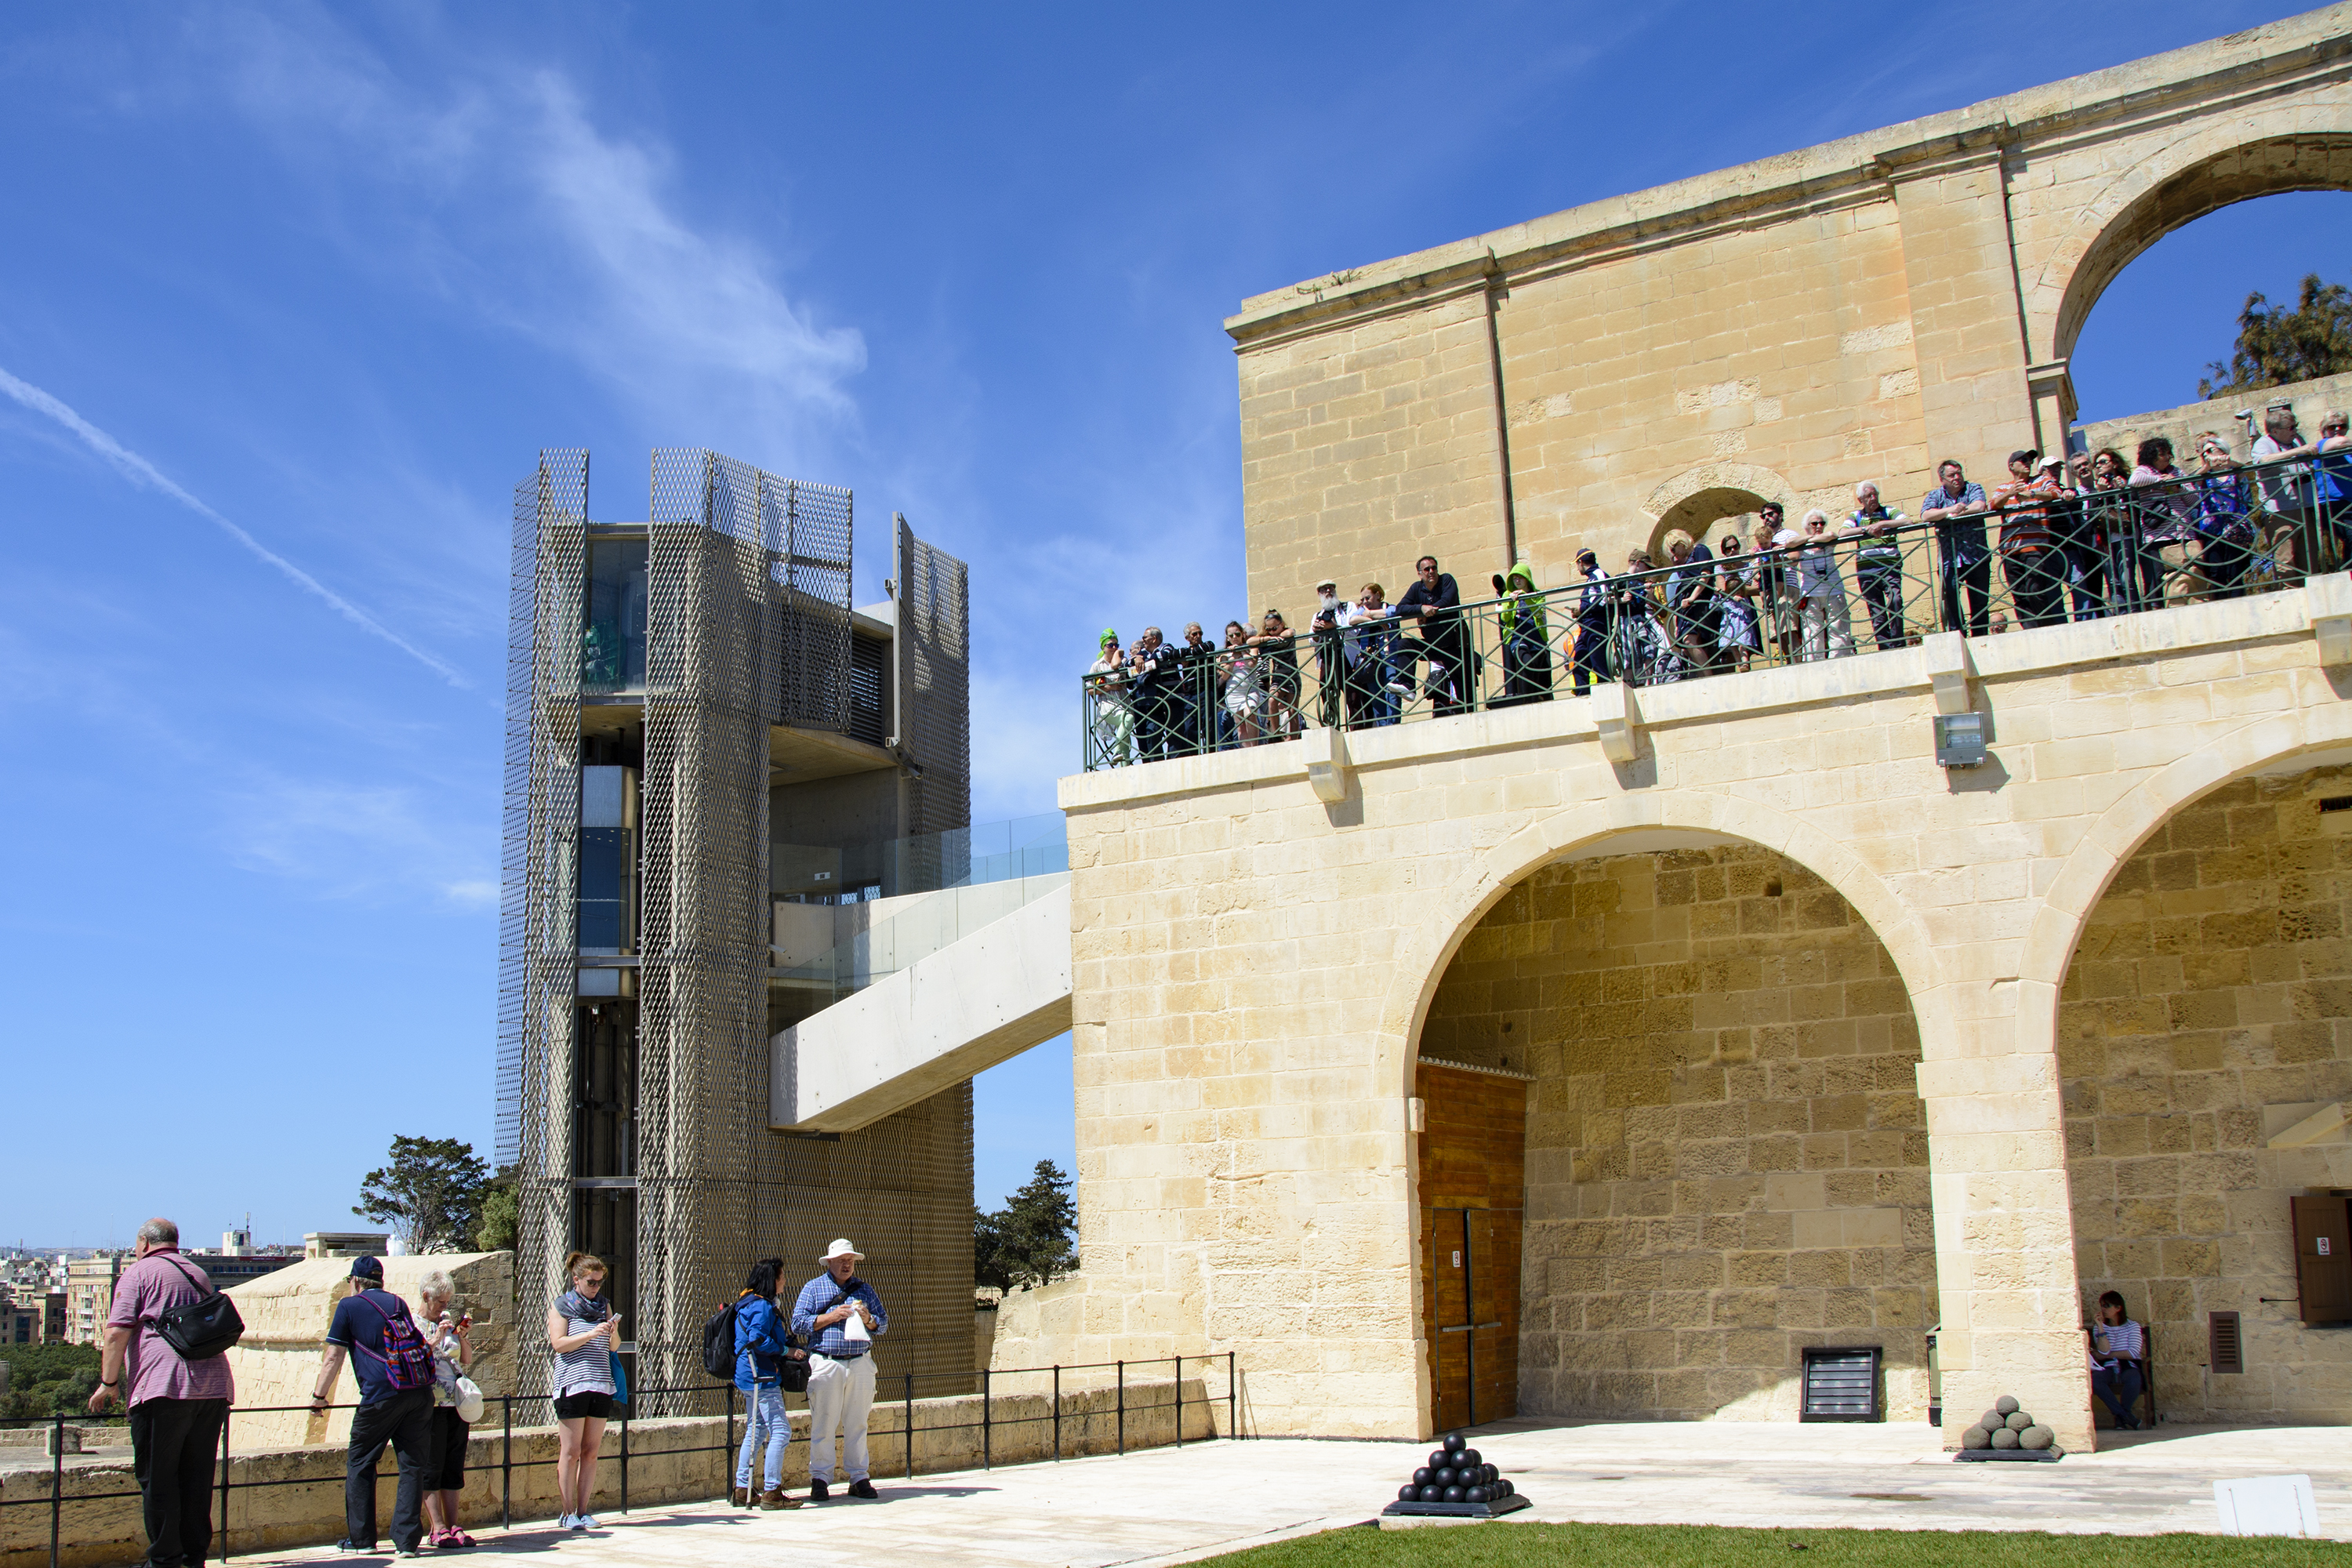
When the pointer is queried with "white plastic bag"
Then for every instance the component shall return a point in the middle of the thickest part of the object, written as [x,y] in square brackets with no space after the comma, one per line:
[853,1329]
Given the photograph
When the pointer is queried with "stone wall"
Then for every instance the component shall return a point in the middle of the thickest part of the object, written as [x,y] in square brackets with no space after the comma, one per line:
[286,1316]
[2208,1008]
[1780,330]
[1726,1151]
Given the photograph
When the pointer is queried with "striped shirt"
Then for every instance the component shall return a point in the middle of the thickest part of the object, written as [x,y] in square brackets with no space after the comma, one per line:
[2127,1341]
[588,1368]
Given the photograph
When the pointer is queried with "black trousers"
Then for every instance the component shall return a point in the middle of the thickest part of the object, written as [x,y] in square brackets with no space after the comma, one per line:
[405,1422]
[173,1444]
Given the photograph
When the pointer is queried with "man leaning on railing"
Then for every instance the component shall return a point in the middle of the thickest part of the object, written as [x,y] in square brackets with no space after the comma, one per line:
[1878,564]
[1964,557]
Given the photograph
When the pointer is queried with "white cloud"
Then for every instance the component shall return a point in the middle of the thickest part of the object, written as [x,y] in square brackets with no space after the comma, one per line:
[145,475]
[491,183]
[355,841]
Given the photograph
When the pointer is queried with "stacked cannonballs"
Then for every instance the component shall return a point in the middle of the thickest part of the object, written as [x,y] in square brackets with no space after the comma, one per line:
[1456,1473]
[2007,1426]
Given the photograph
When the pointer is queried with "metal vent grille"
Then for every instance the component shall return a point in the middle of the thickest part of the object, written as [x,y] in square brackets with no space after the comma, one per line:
[2225,1350]
[1841,1383]
[869,686]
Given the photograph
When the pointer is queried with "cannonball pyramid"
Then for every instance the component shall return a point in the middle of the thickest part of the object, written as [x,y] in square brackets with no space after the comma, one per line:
[1457,1483]
[2007,1432]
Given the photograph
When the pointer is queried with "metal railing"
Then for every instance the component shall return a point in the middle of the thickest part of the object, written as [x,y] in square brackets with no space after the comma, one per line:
[682,1395]
[1853,586]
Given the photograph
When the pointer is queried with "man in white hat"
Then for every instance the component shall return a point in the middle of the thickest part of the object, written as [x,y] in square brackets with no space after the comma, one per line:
[838,1316]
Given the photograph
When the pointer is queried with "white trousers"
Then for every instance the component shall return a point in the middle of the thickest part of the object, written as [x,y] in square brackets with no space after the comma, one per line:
[840,1396]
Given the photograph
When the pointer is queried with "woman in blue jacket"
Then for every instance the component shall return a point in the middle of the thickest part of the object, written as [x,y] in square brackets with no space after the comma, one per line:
[763,1345]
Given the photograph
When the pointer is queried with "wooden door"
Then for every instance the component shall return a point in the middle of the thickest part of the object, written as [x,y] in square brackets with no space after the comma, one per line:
[1472,1196]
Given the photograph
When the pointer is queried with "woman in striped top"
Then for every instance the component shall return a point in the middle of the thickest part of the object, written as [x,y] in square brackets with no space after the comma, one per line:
[2118,1352]
[584,1331]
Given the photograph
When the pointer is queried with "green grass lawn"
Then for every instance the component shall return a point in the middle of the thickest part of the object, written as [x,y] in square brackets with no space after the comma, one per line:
[1506,1545]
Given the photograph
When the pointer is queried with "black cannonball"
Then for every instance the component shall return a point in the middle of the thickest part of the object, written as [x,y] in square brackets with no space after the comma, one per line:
[1475,1494]
[1423,1475]
[1469,1456]
[1489,1474]
[1455,1494]
[1408,1494]
[1455,1442]
[1509,1488]
[1450,1476]
[1433,1494]
[1438,1457]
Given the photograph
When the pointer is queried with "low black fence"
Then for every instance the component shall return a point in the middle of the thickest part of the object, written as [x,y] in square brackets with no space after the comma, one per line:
[680,1396]
[1853,583]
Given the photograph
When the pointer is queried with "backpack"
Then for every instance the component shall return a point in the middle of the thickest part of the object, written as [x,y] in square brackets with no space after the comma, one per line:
[202,1328]
[718,1344]
[407,1364]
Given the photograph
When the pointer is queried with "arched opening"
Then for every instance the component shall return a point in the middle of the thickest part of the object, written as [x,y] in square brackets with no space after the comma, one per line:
[2205,1017]
[2146,204]
[1724,1154]
[1697,517]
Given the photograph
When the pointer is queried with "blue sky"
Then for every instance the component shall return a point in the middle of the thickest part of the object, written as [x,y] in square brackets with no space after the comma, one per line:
[294,294]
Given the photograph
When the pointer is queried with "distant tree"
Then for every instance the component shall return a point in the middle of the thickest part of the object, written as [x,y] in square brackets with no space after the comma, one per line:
[501,1213]
[1033,1238]
[431,1192]
[2276,345]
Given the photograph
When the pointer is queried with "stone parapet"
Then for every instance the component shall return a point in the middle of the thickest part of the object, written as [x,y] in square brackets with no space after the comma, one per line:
[285,1498]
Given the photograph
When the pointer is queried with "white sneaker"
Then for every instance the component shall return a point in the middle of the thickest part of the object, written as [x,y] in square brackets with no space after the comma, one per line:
[564,1523]
[586,1521]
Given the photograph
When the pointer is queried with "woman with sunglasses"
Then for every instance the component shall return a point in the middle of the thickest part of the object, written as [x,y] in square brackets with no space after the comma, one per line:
[584,1332]
[2225,530]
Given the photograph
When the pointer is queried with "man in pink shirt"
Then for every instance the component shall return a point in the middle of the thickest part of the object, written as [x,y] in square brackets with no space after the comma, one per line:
[178,1407]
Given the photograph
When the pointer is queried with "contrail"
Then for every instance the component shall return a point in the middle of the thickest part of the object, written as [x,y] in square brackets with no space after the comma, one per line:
[139,471]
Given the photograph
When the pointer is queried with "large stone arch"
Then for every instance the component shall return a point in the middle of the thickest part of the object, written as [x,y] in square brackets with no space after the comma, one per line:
[1628,826]
[2208,167]
[2087,872]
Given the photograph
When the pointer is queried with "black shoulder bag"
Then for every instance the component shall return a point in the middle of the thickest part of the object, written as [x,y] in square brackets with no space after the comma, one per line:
[200,1330]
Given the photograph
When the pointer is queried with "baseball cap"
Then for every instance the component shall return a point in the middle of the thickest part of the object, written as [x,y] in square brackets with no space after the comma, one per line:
[366,1268]
[2025,455]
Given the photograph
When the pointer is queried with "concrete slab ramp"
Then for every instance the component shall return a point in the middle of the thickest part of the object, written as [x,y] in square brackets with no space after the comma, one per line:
[959,1011]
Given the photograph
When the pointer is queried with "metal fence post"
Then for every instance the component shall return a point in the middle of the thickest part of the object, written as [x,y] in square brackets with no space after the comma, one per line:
[1232,1402]
[910,1426]
[226,1414]
[56,1481]
[1058,1410]
[1179,1401]
[625,1459]
[985,1429]
[1122,1408]
[506,1468]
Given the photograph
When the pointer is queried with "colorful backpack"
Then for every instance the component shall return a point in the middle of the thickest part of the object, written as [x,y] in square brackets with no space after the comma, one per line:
[406,1363]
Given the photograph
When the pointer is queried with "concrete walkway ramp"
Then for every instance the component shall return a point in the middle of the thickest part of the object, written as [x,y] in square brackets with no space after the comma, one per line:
[955,1013]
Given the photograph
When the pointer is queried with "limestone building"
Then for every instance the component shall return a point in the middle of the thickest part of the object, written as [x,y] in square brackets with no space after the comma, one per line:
[1606,1054]
[703,730]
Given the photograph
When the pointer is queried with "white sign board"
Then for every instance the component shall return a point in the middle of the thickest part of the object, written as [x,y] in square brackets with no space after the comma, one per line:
[2267,1505]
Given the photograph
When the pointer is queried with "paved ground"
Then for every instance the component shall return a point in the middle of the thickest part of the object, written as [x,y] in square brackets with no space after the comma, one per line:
[1169,1506]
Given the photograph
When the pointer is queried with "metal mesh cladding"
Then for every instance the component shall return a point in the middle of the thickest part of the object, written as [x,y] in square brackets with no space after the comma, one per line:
[934,706]
[746,627]
[540,916]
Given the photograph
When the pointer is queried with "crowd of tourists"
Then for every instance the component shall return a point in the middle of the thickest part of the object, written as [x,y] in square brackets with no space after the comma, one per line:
[164,1358]
[2075,538]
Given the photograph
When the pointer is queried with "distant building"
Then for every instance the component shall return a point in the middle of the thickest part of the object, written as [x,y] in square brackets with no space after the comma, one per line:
[20,1323]
[344,1244]
[89,1294]
[228,1269]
